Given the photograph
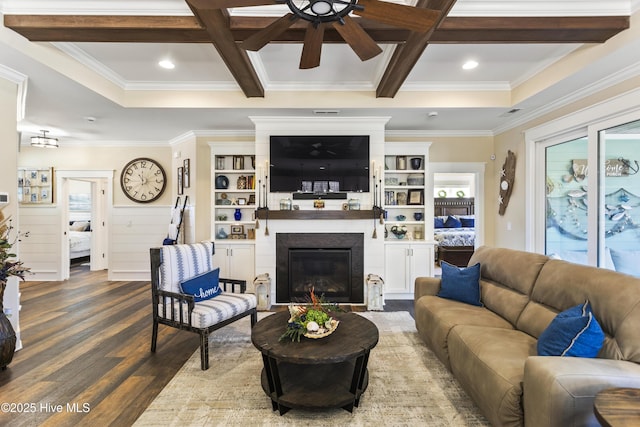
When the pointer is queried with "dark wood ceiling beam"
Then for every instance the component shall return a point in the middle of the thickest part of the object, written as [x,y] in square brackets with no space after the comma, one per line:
[187,29]
[216,22]
[406,55]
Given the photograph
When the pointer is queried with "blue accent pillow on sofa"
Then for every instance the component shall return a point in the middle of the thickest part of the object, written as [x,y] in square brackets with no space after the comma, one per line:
[452,222]
[573,332]
[460,284]
[204,286]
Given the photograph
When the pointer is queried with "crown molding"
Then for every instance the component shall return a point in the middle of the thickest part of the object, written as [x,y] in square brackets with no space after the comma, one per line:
[22,81]
[611,80]
[437,133]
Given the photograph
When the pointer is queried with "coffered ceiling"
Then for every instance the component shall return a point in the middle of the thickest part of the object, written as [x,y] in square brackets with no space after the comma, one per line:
[90,73]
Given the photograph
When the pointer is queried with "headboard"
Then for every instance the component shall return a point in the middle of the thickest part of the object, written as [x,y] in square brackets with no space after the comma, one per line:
[453,206]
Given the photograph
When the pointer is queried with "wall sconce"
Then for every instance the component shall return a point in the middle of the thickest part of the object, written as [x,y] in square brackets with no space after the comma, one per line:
[44,141]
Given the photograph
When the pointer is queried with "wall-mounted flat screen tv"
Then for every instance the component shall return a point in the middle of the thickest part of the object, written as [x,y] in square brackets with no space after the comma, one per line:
[319,164]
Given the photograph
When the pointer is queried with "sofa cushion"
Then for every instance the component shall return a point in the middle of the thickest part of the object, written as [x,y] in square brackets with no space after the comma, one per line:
[615,301]
[203,286]
[489,364]
[460,284]
[573,332]
[436,317]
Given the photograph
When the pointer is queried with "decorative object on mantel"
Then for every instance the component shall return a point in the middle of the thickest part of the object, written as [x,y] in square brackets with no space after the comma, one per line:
[312,320]
[507,177]
[9,266]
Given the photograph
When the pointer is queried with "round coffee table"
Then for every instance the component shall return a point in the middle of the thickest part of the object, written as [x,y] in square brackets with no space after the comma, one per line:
[618,407]
[312,374]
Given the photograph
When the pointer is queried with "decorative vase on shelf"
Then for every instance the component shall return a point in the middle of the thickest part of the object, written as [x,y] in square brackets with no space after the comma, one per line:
[237,215]
[416,162]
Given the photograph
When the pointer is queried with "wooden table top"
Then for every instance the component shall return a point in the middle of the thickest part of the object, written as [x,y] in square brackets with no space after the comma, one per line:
[618,407]
[354,336]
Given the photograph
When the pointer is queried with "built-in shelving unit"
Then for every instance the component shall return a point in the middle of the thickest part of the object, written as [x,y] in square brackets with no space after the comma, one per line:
[234,183]
[404,195]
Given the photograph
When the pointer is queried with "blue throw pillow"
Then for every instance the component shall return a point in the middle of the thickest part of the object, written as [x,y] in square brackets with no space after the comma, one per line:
[438,222]
[460,284]
[204,286]
[468,222]
[452,222]
[573,332]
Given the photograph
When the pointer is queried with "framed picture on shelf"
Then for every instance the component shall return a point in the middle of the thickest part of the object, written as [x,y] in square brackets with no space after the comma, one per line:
[237,229]
[242,201]
[180,180]
[415,197]
[187,173]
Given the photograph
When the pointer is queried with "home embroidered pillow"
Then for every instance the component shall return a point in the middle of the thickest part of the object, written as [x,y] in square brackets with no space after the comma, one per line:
[460,284]
[573,332]
[204,286]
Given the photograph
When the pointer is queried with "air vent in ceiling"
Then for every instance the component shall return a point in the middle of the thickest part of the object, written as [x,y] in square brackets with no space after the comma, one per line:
[510,112]
[326,112]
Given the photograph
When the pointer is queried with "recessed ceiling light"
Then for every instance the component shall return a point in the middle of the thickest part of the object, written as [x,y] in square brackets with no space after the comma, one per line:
[167,64]
[469,65]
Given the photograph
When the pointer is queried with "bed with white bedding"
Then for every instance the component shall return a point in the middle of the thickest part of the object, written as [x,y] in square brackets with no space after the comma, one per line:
[79,239]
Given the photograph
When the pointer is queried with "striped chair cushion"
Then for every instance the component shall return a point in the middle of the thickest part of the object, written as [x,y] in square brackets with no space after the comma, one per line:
[215,310]
[182,262]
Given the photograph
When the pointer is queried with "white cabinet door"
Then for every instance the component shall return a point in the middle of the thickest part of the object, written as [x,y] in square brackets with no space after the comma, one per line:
[235,262]
[397,267]
[403,264]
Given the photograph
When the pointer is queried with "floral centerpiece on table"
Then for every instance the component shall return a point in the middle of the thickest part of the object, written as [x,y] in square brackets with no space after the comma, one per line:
[312,320]
[9,265]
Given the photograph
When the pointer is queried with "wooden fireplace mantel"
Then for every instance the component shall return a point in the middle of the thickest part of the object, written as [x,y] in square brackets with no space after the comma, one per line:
[318,214]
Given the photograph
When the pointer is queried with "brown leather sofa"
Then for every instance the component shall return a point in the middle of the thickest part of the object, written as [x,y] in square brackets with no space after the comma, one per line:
[491,350]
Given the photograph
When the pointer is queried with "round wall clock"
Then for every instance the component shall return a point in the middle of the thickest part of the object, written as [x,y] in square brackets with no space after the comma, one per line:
[143,180]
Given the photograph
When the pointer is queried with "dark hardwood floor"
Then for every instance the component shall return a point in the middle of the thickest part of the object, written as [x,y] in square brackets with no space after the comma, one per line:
[85,357]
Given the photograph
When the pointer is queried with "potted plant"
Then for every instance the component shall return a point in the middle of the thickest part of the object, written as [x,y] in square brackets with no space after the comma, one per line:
[9,266]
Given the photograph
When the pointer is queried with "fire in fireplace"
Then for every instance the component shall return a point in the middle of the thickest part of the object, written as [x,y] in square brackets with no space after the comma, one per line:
[331,263]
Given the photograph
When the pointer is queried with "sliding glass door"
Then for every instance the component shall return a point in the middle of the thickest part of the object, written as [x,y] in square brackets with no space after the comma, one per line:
[566,184]
[591,197]
[619,225]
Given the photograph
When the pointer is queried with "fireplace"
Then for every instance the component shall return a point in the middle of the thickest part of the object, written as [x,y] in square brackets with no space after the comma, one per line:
[331,263]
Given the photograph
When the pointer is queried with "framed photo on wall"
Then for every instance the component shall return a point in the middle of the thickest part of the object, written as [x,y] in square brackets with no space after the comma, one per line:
[180,180]
[187,173]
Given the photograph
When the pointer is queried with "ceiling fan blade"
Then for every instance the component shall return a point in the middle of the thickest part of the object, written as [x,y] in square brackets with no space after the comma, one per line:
[312,46]
[225,4]
[258,40]
[361,43]
[398,15]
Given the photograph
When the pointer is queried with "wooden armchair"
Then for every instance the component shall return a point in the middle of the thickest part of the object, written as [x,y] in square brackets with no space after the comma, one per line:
[173,264]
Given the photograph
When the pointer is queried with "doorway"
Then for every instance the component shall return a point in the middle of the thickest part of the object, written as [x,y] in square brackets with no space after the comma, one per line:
[85,201]
[460,188]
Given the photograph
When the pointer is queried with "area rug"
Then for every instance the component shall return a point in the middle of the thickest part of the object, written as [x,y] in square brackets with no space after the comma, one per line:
[408,386]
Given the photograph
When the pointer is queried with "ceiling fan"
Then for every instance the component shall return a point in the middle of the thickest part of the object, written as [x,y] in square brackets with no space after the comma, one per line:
[320,13]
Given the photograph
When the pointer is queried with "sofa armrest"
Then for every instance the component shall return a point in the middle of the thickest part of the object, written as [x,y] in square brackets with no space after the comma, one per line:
[559,391]
[426,286]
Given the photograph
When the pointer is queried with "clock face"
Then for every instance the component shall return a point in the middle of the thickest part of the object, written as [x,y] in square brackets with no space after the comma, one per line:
[143,180]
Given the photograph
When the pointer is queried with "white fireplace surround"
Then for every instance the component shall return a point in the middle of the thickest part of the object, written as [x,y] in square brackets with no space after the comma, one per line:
[265,254]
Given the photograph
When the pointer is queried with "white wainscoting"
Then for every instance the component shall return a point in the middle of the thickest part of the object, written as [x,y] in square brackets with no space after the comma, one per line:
[134,230]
